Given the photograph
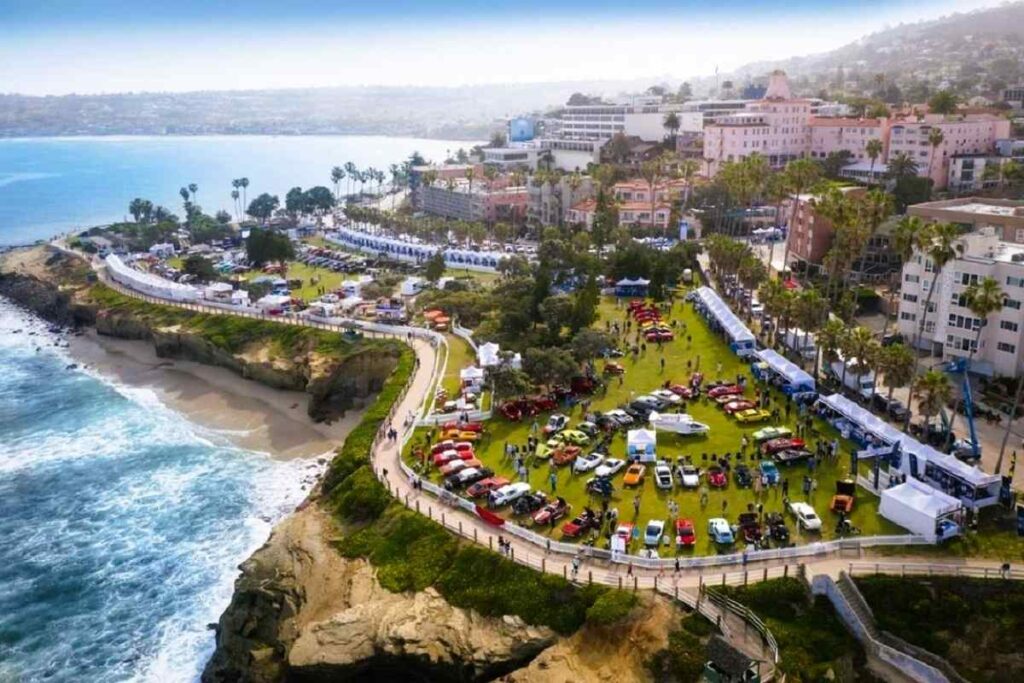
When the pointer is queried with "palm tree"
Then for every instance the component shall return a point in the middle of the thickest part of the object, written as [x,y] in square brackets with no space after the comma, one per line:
[671,124]
[353,172]
[449,184]
[897,363]
[652,171]
[687,170]
[831,338]
[935,138]
[873,150]
[193,188]
[935,391]
[751,272]
[983,299]
[574,182]
[902,165]
[243,182]
[770,295]
[800,175]
[811,310]
[234,196]
[337,175]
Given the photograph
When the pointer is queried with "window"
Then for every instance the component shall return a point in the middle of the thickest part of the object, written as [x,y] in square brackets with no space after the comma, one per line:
[1012,303]
[958,299]
[912,298]
[929,326]
[1014,281]
[1020,235]
[908,316]
[969,279]
[1008,325]
[1007,348]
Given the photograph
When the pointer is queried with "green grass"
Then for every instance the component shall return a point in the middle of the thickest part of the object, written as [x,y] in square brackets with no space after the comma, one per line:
[995,538]
[460,356]
[811,638]
[976,624]
[644,375]
[476,276]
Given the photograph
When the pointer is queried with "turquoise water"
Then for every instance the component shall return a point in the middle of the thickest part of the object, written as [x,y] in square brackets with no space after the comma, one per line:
[52,185]
[121,523]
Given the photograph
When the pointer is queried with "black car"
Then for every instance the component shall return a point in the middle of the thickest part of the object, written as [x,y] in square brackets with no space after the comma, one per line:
[638,414]
[531,502]
[777,528]
[466,477]
[896,410]
[600,486]
[741,473]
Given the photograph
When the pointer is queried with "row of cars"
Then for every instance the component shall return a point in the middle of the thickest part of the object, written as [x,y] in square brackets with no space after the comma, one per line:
[648,320]
[338,261]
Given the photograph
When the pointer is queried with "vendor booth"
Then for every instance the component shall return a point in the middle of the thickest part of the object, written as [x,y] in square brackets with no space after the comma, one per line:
[904,455]
[922,510]
[783,373]
[489,355]
[274,303]
[641,445]
[218,291]
[472,379]
[632,287]
[721,319]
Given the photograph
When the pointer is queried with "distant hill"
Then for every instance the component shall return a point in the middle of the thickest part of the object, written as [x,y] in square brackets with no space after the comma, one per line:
[974,53]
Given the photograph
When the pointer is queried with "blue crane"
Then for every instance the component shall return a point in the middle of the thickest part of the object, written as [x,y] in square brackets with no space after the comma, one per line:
[958,366]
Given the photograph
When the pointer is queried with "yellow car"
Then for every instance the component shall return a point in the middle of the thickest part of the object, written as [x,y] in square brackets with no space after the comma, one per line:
[752,415]
[543,451]
[634,475]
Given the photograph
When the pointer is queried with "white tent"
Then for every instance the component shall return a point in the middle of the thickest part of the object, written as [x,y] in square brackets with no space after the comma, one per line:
[218,291]
[741,337]
[641,444]
[240,297]
[472,376]
[148,283]
[918,507]
[785,368]
[274,301]
[489,355]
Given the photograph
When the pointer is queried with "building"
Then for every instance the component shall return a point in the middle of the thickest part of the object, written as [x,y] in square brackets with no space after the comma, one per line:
[512,157]
[633,201]
[962,134]
[950,328]
[972,172]
[777,127]
[810,234]
[832,135]
[549,204]
[867,172]
[975,213]
[477,201]
[1014,96]
[642,116]
[440,174]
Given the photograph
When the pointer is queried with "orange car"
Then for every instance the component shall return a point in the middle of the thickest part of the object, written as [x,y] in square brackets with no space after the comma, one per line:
[634,475]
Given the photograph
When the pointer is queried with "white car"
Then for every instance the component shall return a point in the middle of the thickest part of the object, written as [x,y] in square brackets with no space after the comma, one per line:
[689,476]
[720,531]
[508,493]
[609,467]
[654,531]
[620,416]
[585,463]
[663,475]
[806,517]
[678,423]
[666,395]
[650,401]
[556,423]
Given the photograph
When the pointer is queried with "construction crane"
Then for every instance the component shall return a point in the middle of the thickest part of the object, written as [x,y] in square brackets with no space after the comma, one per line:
[971,449]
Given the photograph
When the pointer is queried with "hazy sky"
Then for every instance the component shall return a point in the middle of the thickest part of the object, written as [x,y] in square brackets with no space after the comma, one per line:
[88,46]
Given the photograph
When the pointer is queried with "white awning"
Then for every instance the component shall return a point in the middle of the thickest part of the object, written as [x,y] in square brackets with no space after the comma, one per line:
[790,371]
[733,326]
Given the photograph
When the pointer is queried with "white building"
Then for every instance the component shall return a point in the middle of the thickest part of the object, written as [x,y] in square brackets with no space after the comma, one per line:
[950,327]
[642,116]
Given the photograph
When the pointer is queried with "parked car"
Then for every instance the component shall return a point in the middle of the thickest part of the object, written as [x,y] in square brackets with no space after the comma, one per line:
[806,517]
[720,531]
[588,428]
[769,433]
[686,536]
[781,444]
[529,503]
[777,529]
[725,390]
[620,416]
[791,456]
[587,462]
[653,532]
[600,486]
[749,527]
[842,501]
[507,494]
[666,395]
[689,476]
[485,486]
[634,475]
[716,477]
[752,415]
[551,512]
[663,475]
[736,406]
[581,524]
[573,437]
[682,390]
[610,467]
[741,473]
[467,476]
[556,423]
[769,471]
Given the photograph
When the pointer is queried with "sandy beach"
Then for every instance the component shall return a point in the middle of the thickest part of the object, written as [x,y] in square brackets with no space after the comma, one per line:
[248,414]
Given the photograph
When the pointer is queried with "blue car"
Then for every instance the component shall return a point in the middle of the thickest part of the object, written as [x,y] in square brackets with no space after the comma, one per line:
[720,531]
[770,471]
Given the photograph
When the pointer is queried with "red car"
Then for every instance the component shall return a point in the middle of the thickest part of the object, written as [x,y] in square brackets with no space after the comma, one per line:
[543,404]
[659,335]
[686,537]
[552,511]
[464,427]
[681,390]
[440,446]
[778,445]
[445,457]
[725,390]
[738,405]
[485,486]
[717,478]
[581,524]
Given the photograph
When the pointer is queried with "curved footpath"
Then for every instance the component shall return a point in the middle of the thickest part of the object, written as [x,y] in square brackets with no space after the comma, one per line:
[687,585]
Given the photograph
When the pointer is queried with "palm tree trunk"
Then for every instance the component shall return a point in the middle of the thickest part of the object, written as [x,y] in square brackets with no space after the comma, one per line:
[916,343]
[1009,423]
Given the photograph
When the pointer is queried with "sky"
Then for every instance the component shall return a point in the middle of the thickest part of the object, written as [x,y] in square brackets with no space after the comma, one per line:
[53,47]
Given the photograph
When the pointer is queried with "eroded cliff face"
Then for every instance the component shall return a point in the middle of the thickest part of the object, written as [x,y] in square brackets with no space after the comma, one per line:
[302,612]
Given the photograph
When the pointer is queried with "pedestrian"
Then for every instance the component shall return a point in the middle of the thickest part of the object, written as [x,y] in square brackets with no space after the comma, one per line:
[725,505]
[1004,571]
[785,487]
[575,567]
[677,565]
[718,370]
[629,569]
[636,505]
[743,443]
[553,479]
[663,365]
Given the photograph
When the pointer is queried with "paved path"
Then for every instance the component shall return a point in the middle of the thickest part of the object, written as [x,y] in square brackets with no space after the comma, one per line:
[684,585]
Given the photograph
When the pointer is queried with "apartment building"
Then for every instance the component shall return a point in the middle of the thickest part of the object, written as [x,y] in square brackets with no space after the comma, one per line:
[633,201]
[642,116]
[830,135]
[975,213]
[949,327]
[962,134]
[810,234]
[482,202]
[547,204]
[973,172]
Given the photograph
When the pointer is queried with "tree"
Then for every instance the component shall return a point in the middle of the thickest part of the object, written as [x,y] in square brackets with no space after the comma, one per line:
[672,124]
[337,175]
[141,210]
[199,267]
[235,194]
[589,344]
[435,267]
[318,200]
[262,208]
[897,363]
[267,246]
[550,366]
[557,312]
[223,217]
[934,391]
[835,162]
[584,305]
[508,381]
[243,182]
[943,102]
[831,339]
[910,190]
[935,138]
[902,165]
[295,202]
[618,148]
[983,299]
[498,139]
[873,150]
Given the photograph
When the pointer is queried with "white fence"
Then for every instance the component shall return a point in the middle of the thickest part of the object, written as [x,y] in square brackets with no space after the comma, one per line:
[928,569]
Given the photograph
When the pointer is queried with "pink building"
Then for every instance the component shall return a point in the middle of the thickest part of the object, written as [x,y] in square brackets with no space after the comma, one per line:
[962,134]
[832,135]
[633,200]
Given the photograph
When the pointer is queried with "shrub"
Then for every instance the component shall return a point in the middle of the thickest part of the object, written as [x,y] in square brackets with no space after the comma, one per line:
[360,497]
[611,608]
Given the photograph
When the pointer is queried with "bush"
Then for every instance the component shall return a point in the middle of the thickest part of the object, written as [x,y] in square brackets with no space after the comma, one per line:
[683,660]
[360,497]
[611,608]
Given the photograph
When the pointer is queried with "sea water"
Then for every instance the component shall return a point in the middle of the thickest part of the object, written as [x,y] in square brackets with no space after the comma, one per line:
[121,523]
[55,185]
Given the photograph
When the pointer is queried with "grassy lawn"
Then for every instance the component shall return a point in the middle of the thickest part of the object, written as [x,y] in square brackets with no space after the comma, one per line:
[460,355]
[476,276]
[645,374]
[995,538]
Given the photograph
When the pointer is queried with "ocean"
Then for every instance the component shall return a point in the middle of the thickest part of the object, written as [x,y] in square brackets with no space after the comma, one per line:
[122,524]
[53,185]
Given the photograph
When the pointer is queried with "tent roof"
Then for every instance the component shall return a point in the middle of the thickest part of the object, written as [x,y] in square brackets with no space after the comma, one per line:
[219,287]
[886,432]
[471,373]
[487,354]
[734,327]
[632,282]
[923,498]
[641,436]
[791,371]
[118,266]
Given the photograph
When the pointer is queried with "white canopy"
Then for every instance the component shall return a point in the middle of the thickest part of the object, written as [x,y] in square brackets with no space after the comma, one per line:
[274,301]
[917,507]
[733,326]
[471,374]
[641,444]
[487,354]
[148,283]
[632,282]
[790,371]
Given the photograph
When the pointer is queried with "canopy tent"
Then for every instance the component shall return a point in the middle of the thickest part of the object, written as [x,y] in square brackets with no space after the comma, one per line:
[274,301]
[472,375]
[488,355]
[742,340]
[633,282]
[218,291]
[632,287]
[795,378]
[240,297]
[974,487]
[921,509]
[641,445]
[148,283]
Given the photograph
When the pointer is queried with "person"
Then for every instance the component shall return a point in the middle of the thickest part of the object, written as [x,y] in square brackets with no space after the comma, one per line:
[725,504]
[677,565]
[553,479]
[629,569]
[636,505]
[785,487]
[663,364]
[743,443]
[1004,571]
[575,567]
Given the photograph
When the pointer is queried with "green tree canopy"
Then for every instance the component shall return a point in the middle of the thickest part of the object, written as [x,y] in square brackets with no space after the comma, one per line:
[267,246]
